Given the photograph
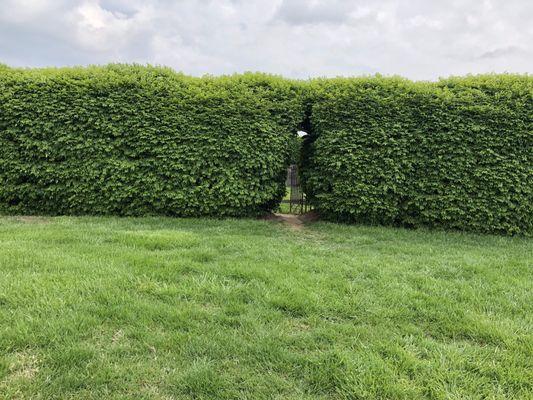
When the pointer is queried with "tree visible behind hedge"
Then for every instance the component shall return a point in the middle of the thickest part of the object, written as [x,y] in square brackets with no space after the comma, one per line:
[132,140]
[457,154]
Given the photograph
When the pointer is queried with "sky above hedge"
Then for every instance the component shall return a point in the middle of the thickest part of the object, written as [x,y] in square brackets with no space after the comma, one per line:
[419,39]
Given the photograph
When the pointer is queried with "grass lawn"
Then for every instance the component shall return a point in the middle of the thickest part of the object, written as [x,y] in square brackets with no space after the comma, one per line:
[155,308]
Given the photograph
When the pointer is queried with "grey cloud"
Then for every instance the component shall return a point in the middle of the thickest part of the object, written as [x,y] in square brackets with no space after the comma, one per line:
[419,39]
[300,12]
[119,7]
[501,52]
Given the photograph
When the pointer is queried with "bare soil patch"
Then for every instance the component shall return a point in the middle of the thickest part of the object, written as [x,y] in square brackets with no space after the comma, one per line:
[293,221]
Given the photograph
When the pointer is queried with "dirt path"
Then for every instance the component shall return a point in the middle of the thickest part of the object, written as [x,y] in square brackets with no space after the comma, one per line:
[292,220]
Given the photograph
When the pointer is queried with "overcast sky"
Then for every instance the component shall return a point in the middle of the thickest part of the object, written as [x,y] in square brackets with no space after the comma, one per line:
[419,39]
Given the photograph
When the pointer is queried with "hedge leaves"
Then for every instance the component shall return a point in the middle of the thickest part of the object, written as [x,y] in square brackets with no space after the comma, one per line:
[455,154]
[132,140]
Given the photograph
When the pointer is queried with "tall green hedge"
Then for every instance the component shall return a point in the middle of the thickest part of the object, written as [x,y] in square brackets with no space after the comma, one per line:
[133,140]
[455,154]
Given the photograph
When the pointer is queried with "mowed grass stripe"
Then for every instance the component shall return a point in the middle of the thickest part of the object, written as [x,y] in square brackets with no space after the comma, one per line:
[161,308]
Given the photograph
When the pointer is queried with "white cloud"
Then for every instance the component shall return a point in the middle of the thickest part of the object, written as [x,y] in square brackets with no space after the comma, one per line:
[419,39]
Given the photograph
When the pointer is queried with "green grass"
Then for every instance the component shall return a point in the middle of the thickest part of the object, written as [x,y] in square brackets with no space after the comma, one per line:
[154,308]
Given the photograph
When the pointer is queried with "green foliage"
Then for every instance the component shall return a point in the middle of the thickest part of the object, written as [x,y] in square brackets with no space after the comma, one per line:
[133,140]
[295,149]
[454,154]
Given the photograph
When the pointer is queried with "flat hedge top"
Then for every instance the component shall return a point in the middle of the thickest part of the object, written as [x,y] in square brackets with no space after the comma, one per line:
[454,153]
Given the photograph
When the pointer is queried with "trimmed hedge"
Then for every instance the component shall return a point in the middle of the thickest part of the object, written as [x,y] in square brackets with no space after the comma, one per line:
[455,154]
[133,140]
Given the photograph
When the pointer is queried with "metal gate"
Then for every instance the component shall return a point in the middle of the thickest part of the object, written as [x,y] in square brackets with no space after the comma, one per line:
[296,197]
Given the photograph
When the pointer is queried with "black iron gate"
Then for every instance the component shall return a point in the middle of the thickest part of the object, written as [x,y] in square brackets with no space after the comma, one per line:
[296,197]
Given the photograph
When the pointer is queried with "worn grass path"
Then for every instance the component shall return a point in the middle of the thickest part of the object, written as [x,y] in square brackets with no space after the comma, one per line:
[155,308]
